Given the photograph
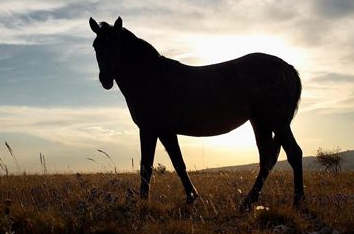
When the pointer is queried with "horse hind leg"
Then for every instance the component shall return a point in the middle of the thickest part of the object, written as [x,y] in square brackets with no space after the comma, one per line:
[269,149]
[294,156]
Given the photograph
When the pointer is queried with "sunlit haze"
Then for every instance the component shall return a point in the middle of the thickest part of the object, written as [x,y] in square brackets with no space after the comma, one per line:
[52,103]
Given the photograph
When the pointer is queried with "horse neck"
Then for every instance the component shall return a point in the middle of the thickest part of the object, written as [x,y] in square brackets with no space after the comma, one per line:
[136,73]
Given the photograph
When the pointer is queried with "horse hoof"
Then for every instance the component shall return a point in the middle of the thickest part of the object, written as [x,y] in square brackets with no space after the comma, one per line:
[298,203]
[245,206]
[192,198]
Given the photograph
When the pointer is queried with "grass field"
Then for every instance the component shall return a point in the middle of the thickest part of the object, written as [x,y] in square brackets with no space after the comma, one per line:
[108,203]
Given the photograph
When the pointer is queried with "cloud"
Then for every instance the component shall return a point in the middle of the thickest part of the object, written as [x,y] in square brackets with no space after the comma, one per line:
[215,17]
[43,22]
[79,127]
[304,23]
[329,93]
[336,78]
[333,9]
[23,7]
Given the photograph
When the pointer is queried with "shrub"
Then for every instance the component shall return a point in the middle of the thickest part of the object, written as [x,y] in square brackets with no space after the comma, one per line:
[160,169]
[330,159]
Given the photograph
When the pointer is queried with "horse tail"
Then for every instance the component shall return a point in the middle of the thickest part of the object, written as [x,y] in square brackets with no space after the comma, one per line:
[297,91]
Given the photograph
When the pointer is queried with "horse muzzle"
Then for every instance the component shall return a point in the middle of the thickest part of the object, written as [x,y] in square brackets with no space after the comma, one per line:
[106,82]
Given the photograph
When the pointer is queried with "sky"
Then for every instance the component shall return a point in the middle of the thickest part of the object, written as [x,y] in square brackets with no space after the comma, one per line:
[52,103]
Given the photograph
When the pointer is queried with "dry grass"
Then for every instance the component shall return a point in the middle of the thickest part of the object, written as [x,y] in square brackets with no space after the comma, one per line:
[108,203]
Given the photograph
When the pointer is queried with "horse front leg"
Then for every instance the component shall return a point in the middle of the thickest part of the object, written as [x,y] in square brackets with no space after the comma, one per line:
[170,142]
[148,145]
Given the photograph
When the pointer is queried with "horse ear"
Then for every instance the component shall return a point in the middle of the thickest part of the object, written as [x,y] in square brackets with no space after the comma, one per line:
[118,24]
[94,25]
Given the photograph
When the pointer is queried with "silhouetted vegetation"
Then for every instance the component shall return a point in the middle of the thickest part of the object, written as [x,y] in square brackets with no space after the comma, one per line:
[330,159]
[160,169]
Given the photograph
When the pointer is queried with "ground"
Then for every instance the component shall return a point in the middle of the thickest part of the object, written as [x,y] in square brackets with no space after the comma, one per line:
[109,203]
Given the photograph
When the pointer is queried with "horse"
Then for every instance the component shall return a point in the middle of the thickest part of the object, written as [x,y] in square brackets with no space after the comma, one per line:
[167,98]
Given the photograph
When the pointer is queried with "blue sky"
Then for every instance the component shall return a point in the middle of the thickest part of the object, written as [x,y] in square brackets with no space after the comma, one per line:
[52,102]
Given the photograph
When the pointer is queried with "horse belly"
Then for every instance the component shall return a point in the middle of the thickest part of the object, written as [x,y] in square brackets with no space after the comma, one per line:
[207,123]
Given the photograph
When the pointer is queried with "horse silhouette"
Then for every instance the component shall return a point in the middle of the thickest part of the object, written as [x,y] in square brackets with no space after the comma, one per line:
[167,98]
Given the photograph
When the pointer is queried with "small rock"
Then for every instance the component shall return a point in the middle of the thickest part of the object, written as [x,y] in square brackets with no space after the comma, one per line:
[282,229]
[263,208]
[326,230]
[8,202]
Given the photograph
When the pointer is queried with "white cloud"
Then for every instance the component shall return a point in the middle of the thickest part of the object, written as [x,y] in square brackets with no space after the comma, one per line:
[42,21]
[328,93]
[71,126]
[34,32]
[23,7]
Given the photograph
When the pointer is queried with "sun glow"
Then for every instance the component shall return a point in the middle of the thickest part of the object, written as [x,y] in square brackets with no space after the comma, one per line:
[240,137]
[214,49]
[234,148]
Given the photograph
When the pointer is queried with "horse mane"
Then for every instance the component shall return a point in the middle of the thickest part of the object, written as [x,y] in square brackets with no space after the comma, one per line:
[140,46]
[105,25]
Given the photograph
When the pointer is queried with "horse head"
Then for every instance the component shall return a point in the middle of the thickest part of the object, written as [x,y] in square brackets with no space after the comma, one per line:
[108,50]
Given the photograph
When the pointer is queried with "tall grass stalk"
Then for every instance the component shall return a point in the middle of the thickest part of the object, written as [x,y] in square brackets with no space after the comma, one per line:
[113,165]
[13,156]
[43,163]
[101,166]
[3,166]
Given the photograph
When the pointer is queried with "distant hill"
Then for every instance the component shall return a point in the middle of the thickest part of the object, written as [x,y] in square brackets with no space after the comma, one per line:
[309,163]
